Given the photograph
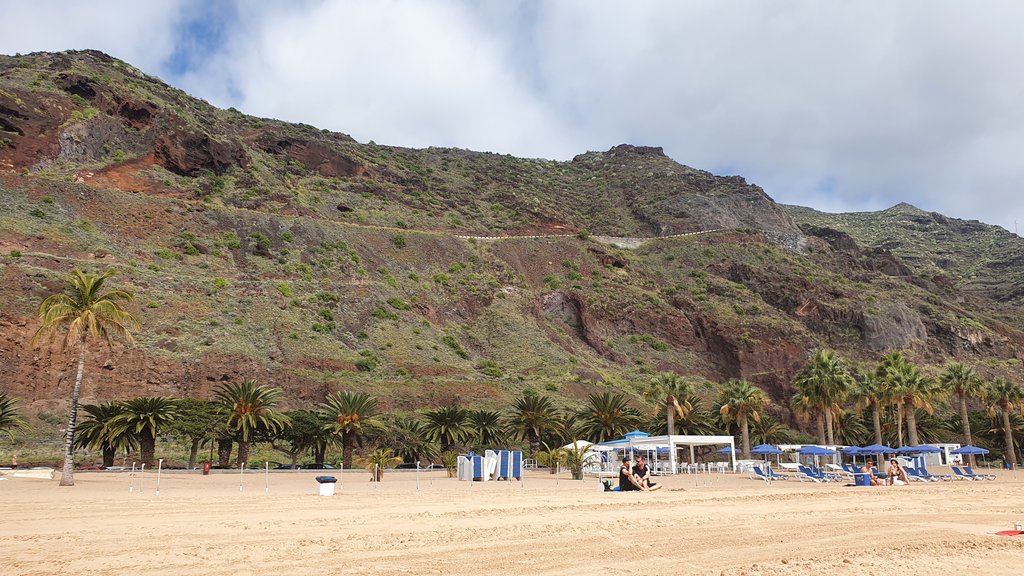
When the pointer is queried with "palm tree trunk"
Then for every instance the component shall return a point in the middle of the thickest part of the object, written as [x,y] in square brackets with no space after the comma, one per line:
[670,414]
[108,455]
[319,454]
[348,444]
[193,453]
[243,453]
[965,421]
[745,433]
[821,428]
[876,420]
[147,445]
[224,446]
[899,422]
[67,476]
[911,422]
[1011,456]
[829,426]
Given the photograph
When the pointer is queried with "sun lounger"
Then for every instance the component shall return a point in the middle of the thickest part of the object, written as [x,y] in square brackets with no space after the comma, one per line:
[960,475]
[915,474]
[970,472]
[767,474]
[810,474]
[924,471]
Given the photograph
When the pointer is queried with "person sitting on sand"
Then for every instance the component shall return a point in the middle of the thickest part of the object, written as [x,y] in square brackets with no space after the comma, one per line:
[643,474]
[628,481]
[896,475]
[869,468]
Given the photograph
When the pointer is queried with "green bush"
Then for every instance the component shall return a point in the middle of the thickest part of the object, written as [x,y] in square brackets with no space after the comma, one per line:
[15,253]
[399,304]
[382,313]
[456,347]
[398,240]
[367,362]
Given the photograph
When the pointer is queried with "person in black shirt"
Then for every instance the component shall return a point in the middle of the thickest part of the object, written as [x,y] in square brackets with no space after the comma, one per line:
[627,480]
[643,474]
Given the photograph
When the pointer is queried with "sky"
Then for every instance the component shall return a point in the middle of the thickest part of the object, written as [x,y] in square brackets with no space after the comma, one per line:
[837,105]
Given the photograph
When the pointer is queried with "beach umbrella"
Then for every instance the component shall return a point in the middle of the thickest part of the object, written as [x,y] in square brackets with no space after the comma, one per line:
[876,449]
[765,450]
[816,451]
[578,445]
[922,449]
[968,449]
[725,450]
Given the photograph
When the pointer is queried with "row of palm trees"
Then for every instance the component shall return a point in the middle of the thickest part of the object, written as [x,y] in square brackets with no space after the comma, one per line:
[896,384]
[242,413]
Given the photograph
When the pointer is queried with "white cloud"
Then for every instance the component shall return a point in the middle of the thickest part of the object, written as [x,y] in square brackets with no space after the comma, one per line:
[140,34]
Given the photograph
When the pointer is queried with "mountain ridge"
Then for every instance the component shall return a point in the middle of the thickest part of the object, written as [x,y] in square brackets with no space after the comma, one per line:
[259,248]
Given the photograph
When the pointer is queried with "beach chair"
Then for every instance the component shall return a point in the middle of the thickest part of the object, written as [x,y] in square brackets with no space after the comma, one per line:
[924,472]
[806,473]
[960,475]
[914,474]
[766,474]
[970,472]
[826,476]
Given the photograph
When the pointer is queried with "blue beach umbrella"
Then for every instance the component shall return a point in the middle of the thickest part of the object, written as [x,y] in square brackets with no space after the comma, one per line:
[922,449]
[765,450]
[816,451]
[968,449]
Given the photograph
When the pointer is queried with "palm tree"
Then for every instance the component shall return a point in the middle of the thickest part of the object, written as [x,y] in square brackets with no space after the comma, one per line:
[375,462]
[350,415]
[249,408]
[486,427]
[196,422]
[911,390]
[607,416]
[667,390]
[1006,397]
[962,382]
[83,310]
[741,401]
[94,432]
[143,417]
[309,431]
[872,392]
[825,383]
[10,418]
[768,430]
[532,419]
[410,439]
[447,426]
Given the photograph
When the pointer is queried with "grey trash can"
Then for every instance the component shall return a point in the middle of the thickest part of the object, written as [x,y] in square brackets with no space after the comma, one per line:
[326,485]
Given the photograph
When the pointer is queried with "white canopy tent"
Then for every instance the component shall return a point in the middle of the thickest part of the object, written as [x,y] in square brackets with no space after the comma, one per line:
[674,442]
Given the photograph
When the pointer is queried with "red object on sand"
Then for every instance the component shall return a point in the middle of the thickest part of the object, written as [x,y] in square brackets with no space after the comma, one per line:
[1010,533]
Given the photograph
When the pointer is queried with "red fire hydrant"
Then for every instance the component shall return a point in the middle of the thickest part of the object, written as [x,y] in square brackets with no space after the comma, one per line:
[206,468]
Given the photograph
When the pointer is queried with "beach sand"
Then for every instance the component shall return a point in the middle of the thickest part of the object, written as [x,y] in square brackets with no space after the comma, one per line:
[112,524]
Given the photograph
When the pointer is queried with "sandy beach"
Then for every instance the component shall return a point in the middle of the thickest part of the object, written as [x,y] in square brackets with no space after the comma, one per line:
[228,524]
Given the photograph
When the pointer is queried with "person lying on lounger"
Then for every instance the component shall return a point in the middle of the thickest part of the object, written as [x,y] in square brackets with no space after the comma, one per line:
[643,474]
[896,475]
[627,480]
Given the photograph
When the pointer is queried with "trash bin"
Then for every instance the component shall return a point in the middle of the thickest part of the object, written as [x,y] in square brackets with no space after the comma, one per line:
[326,485]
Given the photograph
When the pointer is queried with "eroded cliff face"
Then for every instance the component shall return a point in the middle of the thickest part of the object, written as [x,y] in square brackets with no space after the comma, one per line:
[304,259]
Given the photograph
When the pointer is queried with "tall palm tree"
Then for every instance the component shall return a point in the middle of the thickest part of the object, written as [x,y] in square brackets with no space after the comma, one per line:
[872,392]
[84,310]
[196,422]
[825,383]
[310,432]
[94,432]
[143,417]
[740,401]
[410,439]
[667,390]
[532,418]
[350,415]
[486,427]
[448,426]
[607,416]
[1005,397]
[10,418]
[249,408]
[961,381]
[911,390]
